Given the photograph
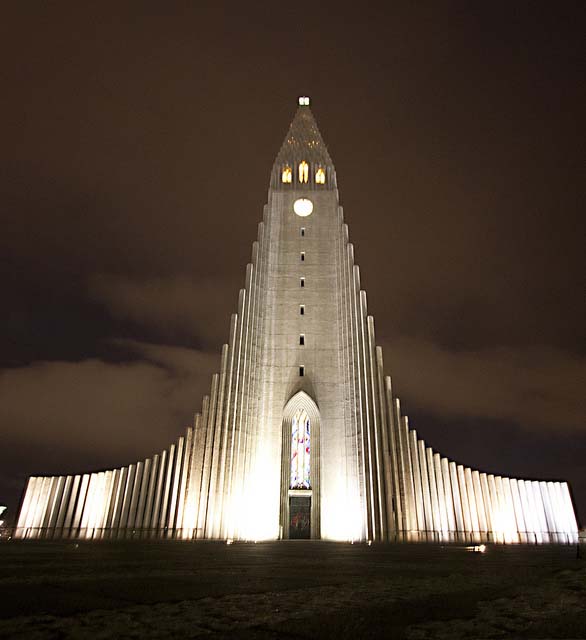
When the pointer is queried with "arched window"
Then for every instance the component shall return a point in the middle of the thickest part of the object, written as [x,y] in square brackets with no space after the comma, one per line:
[303,172]
[320,176]
[300,453]
[287,175]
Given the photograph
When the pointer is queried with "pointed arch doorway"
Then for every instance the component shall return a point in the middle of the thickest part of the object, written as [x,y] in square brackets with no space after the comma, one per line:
[300,469]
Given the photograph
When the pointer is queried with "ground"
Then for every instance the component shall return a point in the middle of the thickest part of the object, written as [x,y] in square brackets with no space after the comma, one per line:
[291,589]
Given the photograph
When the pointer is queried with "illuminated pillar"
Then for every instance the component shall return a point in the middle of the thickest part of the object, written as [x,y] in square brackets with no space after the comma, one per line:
[158,498]
[222,441]
[208,417]
[548,511]
[518,508]
[496,510]
[449,498]
[68,522]
[486,501]
[560,511]
[166,489]
[421,527]
[41,506]
[425,487]
[144,488]
[109,517]
[513,524]
[54,504]
[471,501]
[175,485]
[83,488]
[479,502]
[465,504]
[504,526]
[551,500]
[195,476]
[122,532]
[435,511]
[183,482]
[387,456]
[218,434]
[460,525]
[441,497]
[23,517]
[38,506]
[59,525]
[102,522]
[540,510]
[84,531]
[148,508]
[570,511]
[528,512]
[134,497]
[119,501]
[237,481]
[413,511]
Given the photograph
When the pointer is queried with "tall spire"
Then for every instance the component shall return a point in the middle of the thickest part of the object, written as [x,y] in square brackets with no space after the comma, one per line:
[303,143]
[303,140]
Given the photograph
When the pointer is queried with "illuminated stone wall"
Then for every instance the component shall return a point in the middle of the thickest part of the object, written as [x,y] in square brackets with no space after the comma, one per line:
[228,476]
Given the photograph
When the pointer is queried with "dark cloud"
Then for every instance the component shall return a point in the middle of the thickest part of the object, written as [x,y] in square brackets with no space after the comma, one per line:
[116,410]
[175,306]
[538,388]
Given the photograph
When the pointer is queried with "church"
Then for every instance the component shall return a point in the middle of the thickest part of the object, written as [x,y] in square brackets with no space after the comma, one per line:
[301,435]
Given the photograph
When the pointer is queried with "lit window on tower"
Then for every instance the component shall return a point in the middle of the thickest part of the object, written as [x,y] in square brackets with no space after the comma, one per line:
[300,469]
[320,176]
[287,175]
[303,172]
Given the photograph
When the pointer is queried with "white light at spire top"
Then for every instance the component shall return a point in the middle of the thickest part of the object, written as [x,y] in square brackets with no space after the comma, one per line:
[304,101]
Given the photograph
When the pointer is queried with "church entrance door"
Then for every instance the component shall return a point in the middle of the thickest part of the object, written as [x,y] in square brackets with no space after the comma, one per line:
[300,517]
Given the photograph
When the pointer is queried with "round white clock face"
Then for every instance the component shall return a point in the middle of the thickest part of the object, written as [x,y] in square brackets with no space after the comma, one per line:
[303,207]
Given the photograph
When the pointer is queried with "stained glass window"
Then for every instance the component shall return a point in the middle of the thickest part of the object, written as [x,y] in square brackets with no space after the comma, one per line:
[300,453]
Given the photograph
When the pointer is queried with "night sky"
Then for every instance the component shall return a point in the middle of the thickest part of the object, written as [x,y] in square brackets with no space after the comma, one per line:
[136,148]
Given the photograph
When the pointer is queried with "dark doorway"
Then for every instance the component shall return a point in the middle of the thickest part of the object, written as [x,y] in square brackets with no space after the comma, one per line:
[300,517]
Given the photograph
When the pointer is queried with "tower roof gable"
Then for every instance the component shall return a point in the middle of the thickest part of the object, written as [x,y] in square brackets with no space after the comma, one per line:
[303,140]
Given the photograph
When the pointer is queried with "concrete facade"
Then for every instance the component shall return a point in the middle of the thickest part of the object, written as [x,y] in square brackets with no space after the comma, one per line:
[301,343]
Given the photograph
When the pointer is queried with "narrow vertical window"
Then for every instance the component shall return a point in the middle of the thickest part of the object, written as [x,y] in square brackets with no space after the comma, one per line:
[303,232]
[302,256]
[301,309]
[287,175]
[302,339]
[301,371]
[301,282]
[303,172]
[320,176]
[300,476]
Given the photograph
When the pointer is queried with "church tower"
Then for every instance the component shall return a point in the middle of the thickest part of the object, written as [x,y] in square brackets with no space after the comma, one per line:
[300,435]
